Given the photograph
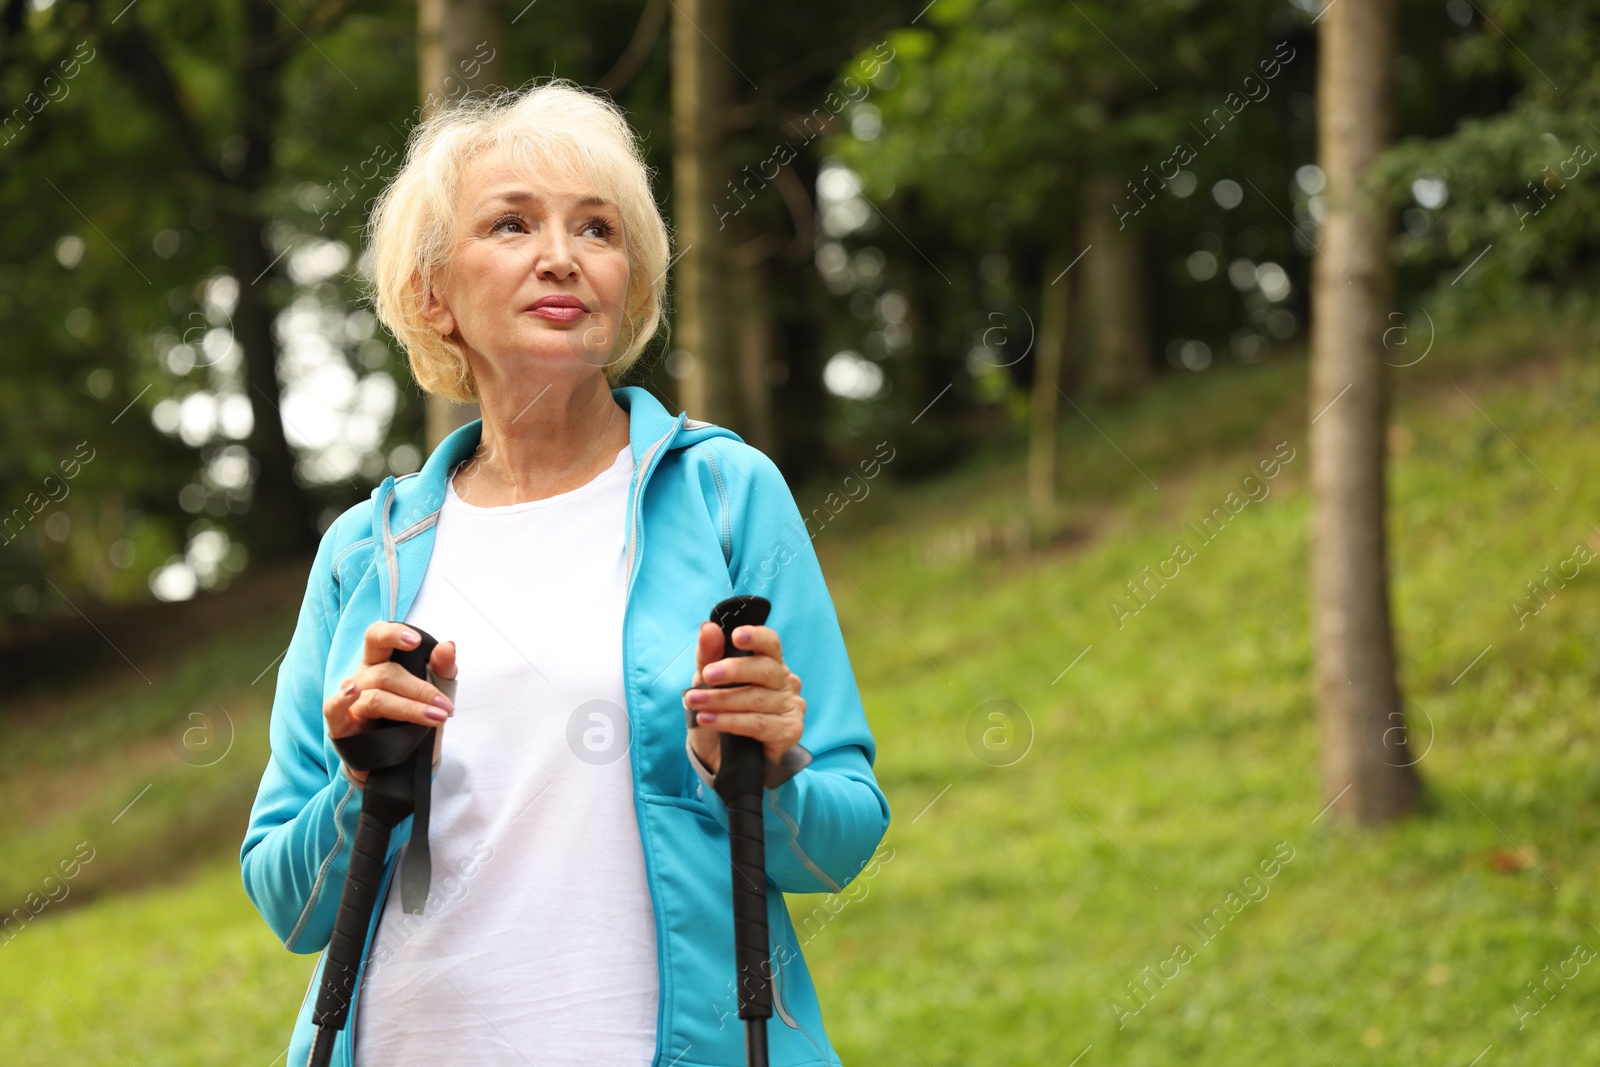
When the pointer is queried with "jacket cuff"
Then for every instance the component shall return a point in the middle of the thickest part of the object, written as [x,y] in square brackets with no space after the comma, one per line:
[791,763]
[787,766]
[699,768]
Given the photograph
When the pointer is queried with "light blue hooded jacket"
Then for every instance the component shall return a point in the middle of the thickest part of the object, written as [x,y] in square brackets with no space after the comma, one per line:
[708,517]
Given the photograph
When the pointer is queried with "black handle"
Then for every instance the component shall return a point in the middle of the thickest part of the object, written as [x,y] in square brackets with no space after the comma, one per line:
[390,752]
[356,903]
[739,782]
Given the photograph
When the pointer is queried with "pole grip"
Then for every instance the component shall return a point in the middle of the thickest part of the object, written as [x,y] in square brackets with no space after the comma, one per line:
[739,782]
[747,849]
[349,938]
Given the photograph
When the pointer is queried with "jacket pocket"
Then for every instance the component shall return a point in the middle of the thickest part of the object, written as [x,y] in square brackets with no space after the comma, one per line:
[781,959]
[793,999]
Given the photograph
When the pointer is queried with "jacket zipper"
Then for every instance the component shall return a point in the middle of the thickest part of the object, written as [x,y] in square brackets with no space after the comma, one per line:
[391,557]
[635,542]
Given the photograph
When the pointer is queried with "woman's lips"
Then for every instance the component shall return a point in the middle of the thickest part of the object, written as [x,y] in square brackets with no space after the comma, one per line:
[558,313]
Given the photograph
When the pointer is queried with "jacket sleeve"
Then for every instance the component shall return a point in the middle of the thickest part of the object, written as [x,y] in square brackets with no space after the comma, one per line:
[303,822]
[824,823]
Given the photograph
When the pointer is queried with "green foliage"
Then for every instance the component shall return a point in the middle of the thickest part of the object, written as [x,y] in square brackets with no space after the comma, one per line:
[1518,181]
[115,192]
[965,121]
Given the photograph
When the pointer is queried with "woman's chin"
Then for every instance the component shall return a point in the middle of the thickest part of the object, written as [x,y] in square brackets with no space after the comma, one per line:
[565,353]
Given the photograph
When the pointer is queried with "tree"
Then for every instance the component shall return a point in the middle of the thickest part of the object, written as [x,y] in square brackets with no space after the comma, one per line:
[1117,362]
[961,130]
[145,151]
[283,524]
[1367,774]
[700,88]
[1050,357]
[459,43]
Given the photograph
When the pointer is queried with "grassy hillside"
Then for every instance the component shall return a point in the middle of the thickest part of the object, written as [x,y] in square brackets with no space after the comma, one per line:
[1162,761]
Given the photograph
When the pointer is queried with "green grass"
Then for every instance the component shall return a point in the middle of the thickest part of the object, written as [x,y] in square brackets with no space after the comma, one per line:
[182,976]
[1172,758]
[154,777]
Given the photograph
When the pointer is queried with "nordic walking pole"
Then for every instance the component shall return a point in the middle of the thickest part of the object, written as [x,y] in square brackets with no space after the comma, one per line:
[738,781]
[398,759]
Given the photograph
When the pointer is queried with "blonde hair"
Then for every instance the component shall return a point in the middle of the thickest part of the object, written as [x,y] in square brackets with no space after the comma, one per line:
[554,128]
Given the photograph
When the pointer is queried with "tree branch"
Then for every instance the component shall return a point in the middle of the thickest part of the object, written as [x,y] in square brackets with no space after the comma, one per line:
[135,54]
[269,52]
[764,104]
[13,19]
[643,41]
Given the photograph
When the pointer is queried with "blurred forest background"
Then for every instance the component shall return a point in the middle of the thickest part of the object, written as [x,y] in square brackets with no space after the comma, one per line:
[1076,269]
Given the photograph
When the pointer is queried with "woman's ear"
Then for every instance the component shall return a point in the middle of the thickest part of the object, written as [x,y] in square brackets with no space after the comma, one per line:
[436,313]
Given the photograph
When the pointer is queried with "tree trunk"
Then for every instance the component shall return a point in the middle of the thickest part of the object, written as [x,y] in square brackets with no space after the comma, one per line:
[753,351]
[1055,305]
[281,524]
[1117,360]
[801,305]
[459,47]
[707,386]
[1368,772]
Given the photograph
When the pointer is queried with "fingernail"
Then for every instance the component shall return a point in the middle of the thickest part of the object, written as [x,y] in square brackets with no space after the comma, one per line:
[436,714]
[409,638]
[352,690]
[443,701]
[708,716]
[714,674]
[740,634]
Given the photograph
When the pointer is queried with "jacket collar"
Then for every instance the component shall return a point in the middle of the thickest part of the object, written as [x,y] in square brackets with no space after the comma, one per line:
[410,504]
[416,496]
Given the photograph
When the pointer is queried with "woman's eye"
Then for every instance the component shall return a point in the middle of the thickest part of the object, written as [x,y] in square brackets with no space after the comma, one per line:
[506,220]
[604,228]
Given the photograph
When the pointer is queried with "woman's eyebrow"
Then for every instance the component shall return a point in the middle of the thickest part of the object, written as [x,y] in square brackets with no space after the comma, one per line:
[518,196]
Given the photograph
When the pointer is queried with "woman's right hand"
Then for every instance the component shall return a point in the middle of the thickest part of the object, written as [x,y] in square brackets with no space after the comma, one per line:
[382,689]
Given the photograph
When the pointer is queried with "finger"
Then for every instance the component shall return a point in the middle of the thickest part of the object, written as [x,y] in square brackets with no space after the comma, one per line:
[777,733]
[753,698]
[762,640]
[443,660]
[759,669]
[708,649]
[442,671]
[336,709]
[382,638]
[397,680]
[375,704]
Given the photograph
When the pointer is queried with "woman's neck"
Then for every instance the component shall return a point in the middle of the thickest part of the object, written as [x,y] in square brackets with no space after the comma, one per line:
[540,442]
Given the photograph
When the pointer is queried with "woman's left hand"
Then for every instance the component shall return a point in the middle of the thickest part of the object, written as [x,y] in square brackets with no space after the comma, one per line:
[766,703]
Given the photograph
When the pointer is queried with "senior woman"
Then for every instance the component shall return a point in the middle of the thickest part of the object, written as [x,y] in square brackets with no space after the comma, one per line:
[566,550]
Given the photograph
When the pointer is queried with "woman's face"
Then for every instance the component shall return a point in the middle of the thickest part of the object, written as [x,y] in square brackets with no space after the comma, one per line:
[537,274]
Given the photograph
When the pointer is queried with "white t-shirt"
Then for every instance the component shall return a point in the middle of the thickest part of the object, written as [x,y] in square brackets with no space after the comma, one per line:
[538,942]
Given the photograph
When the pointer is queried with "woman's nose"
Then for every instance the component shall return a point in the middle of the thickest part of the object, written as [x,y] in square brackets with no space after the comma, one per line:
[553,255]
